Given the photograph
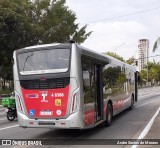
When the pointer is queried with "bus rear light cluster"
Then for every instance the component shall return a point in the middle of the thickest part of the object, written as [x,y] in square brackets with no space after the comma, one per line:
[18,102]
[75,101]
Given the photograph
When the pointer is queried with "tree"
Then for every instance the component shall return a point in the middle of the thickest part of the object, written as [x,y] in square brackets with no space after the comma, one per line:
[59,24]
[153,75]
[143,76]
[151,72]
[115,56]
[156,44]
[131,60]
[31,22]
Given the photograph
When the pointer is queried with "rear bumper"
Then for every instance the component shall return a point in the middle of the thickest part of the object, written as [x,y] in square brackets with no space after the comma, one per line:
[73,121]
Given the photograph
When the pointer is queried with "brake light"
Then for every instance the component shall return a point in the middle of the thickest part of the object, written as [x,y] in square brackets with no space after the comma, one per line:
[75,101]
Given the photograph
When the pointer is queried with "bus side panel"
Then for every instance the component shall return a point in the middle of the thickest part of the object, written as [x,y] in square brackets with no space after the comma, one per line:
[88,92]
[116,87]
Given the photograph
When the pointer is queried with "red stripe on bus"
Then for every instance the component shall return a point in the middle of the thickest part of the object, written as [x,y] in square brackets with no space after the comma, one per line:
[118,104]
[89,117]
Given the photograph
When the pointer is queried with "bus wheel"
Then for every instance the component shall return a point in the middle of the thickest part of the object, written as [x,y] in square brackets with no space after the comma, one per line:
[109,115]
[132,103]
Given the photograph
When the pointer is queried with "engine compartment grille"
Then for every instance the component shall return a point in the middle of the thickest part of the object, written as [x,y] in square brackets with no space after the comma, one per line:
[45,84]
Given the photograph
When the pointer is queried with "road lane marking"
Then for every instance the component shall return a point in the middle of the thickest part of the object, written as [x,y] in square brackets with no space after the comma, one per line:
[147,128]
[9,127]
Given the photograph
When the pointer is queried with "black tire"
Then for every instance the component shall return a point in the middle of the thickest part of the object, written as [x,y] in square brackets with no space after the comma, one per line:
[132,103]
[10,116]
[109,115]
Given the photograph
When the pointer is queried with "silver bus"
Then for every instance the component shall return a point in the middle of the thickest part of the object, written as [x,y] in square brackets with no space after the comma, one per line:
[69,86]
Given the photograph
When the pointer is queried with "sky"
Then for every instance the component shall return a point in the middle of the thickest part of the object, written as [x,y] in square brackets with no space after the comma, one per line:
[114,33]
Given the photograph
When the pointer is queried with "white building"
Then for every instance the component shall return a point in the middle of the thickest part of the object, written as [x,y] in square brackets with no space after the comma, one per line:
[143,53]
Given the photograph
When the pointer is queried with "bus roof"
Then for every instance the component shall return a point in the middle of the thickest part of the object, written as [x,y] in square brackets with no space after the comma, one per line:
[84,49]
[111,59]
[45,46]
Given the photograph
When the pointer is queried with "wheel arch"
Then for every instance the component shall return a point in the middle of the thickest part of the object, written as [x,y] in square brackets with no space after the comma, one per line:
[110,102]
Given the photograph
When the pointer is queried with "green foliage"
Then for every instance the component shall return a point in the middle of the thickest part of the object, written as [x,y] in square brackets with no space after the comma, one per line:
[26,23]
[115,56]
[58,23]
[143,75]
[151,72]
[7,92]
[131,60]
[81,35]
[156,45]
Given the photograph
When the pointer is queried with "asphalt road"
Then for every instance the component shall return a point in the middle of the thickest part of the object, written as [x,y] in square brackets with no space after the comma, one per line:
[127,125]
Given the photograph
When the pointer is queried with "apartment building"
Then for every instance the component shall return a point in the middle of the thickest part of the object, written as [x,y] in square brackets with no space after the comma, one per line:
[143,53]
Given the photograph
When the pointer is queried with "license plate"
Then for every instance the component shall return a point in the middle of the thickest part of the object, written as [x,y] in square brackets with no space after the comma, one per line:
[45,113]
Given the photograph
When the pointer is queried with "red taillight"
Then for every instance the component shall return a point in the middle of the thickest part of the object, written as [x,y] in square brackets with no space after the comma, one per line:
[74,102]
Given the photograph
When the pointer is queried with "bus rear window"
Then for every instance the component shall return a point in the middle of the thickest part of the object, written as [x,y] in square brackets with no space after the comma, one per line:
[44,61]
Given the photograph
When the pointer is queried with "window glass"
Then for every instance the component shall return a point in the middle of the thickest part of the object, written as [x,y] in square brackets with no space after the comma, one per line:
[44,61]
[88,80]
